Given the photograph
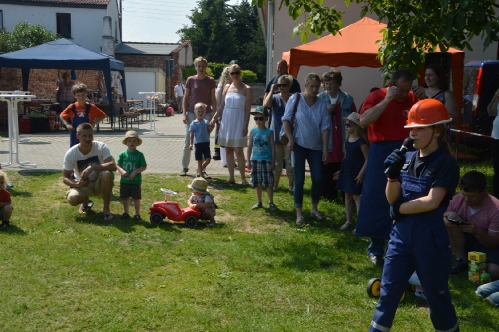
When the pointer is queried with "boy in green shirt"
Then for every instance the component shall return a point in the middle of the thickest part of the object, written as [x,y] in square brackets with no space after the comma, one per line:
[131,163]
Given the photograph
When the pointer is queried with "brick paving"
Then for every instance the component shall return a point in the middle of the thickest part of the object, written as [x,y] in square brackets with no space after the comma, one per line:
[163,153]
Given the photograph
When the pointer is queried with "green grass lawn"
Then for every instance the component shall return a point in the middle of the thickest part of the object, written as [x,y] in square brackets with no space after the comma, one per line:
[255,271]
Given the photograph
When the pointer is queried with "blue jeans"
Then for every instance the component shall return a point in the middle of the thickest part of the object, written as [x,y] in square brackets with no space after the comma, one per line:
[376,247]
[490,292]
[314,158]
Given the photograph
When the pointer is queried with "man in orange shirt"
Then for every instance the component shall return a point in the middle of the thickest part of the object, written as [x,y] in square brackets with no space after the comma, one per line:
[80,112]
[384,112]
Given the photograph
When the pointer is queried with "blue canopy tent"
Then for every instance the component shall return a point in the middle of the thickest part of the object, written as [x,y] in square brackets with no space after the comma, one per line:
[64,54]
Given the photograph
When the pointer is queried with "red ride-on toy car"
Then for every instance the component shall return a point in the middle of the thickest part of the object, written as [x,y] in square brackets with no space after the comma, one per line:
[172,211]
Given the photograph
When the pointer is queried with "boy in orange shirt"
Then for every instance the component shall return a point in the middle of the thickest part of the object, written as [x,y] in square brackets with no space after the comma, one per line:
[80,112]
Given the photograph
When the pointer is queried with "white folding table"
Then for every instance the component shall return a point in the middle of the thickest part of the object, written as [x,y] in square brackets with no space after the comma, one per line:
[13,98]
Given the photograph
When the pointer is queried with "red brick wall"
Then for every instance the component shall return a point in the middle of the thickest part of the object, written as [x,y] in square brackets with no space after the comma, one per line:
[42,81]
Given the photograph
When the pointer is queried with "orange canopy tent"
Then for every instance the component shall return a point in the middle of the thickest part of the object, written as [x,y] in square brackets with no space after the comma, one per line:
[356,47]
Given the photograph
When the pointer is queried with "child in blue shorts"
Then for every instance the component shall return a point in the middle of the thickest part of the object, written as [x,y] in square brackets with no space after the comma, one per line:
[261,158]
[200,130]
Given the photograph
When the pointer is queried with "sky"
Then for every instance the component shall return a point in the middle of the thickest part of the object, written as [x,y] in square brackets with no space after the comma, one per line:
[156,20]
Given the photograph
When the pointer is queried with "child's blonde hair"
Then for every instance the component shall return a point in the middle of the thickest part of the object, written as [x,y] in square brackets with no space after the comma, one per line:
[359,131]
[5,180]
[200,106]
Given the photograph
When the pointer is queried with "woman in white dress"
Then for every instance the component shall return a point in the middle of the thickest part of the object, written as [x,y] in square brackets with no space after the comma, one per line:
[235,113]
[223,82]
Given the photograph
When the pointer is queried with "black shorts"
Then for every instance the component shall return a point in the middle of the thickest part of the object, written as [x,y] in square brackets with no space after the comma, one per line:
[472,244]
[130,190]
[202,151]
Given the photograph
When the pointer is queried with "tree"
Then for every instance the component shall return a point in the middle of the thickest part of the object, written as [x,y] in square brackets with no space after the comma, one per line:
[23,36]
[251,50]
[414,26]
[223,33]
[210,33]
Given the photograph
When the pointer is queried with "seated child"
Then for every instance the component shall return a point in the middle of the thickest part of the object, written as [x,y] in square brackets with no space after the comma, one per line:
[5,206]
[202,200]
[490,292]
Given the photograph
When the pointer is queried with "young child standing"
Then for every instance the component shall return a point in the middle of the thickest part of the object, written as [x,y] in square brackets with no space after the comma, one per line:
[202,199]
[200,130]
[420,186]
[131,163]
[5,201]
[80,112]
[262,162]
[353,167]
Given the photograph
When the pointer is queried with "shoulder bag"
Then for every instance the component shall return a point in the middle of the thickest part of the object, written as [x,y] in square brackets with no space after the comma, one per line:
[283,138]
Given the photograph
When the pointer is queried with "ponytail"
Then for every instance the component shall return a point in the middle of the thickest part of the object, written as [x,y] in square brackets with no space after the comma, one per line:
[442,130]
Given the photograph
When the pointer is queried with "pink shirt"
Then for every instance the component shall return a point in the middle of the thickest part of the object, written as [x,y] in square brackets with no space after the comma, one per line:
[487,217]
[200,92]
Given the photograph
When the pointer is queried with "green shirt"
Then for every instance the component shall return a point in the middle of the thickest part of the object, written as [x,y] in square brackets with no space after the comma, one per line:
[130,161]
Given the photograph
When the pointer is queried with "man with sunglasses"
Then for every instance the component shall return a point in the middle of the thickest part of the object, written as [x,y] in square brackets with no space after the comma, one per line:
[384,113]
[476,225]
[282,69]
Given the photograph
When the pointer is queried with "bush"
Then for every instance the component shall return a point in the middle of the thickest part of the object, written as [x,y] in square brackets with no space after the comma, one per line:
[190,71]
[217,68]
[248,76]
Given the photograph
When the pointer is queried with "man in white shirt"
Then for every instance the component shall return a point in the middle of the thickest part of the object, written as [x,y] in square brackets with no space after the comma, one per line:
[93,165]
[179,94]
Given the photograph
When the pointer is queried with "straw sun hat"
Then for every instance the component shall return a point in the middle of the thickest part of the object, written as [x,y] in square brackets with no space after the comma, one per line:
[132,134]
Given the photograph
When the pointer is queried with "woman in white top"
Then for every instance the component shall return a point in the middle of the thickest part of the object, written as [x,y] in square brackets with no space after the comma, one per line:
[223,82]
[236,106]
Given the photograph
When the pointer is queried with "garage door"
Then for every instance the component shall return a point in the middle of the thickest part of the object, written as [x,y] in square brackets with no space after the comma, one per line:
[139,82]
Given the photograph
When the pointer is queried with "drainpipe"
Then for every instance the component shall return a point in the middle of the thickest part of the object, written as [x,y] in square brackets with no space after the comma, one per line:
[270,39]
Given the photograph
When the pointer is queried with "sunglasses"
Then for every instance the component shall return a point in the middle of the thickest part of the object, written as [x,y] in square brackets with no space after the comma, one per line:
[235,73]
[259,118]
[282,85]
[347,125]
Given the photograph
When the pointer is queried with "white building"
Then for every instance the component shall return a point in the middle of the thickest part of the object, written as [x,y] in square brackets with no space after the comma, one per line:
[94,24]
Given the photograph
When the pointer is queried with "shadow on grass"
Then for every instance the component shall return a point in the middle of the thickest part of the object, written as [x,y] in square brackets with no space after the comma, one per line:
[12,229]
[15,193]
[39,172]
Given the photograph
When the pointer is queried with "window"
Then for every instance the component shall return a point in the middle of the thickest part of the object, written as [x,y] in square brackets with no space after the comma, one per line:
[1,19]
[64,25]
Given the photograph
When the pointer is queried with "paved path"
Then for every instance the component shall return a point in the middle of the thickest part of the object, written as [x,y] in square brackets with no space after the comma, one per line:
[163,153]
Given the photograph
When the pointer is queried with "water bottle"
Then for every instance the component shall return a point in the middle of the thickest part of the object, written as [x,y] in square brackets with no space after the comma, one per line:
[484,278]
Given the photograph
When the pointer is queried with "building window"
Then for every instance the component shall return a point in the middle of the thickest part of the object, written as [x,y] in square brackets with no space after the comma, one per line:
[1,19]
[64,25]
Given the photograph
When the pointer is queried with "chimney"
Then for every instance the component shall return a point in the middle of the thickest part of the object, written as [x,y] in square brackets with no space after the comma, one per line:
[107,37]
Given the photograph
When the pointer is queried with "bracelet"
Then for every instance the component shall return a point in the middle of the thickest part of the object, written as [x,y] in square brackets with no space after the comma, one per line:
[392,180]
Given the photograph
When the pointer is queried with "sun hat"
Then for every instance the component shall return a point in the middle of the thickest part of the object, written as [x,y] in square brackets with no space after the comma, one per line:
[199,185]
[427,112]
[132,134]
[260,110]
[353,117]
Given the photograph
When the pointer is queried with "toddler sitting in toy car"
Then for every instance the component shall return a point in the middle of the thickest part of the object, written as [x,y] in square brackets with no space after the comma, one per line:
[202,200]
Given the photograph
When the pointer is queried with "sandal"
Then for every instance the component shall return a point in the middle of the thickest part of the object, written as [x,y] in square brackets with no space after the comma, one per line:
[346,226]
[300,221]
[108,216]
[244,183]
[125,216]
[137,217]
[85,209]
[230,182]
[318,215]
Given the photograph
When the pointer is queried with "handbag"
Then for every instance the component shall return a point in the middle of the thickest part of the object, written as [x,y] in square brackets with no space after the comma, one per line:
[283,138]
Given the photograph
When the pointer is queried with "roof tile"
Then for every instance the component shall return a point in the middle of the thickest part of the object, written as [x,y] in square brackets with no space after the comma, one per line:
[79,2]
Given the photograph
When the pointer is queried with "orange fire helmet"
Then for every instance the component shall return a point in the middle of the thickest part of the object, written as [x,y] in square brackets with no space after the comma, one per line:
[427,112]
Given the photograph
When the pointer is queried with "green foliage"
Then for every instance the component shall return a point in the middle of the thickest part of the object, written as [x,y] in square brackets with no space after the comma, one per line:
[217,68]
[414,27]
[248,76]
[223,33]
[190,71]
[23,36]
